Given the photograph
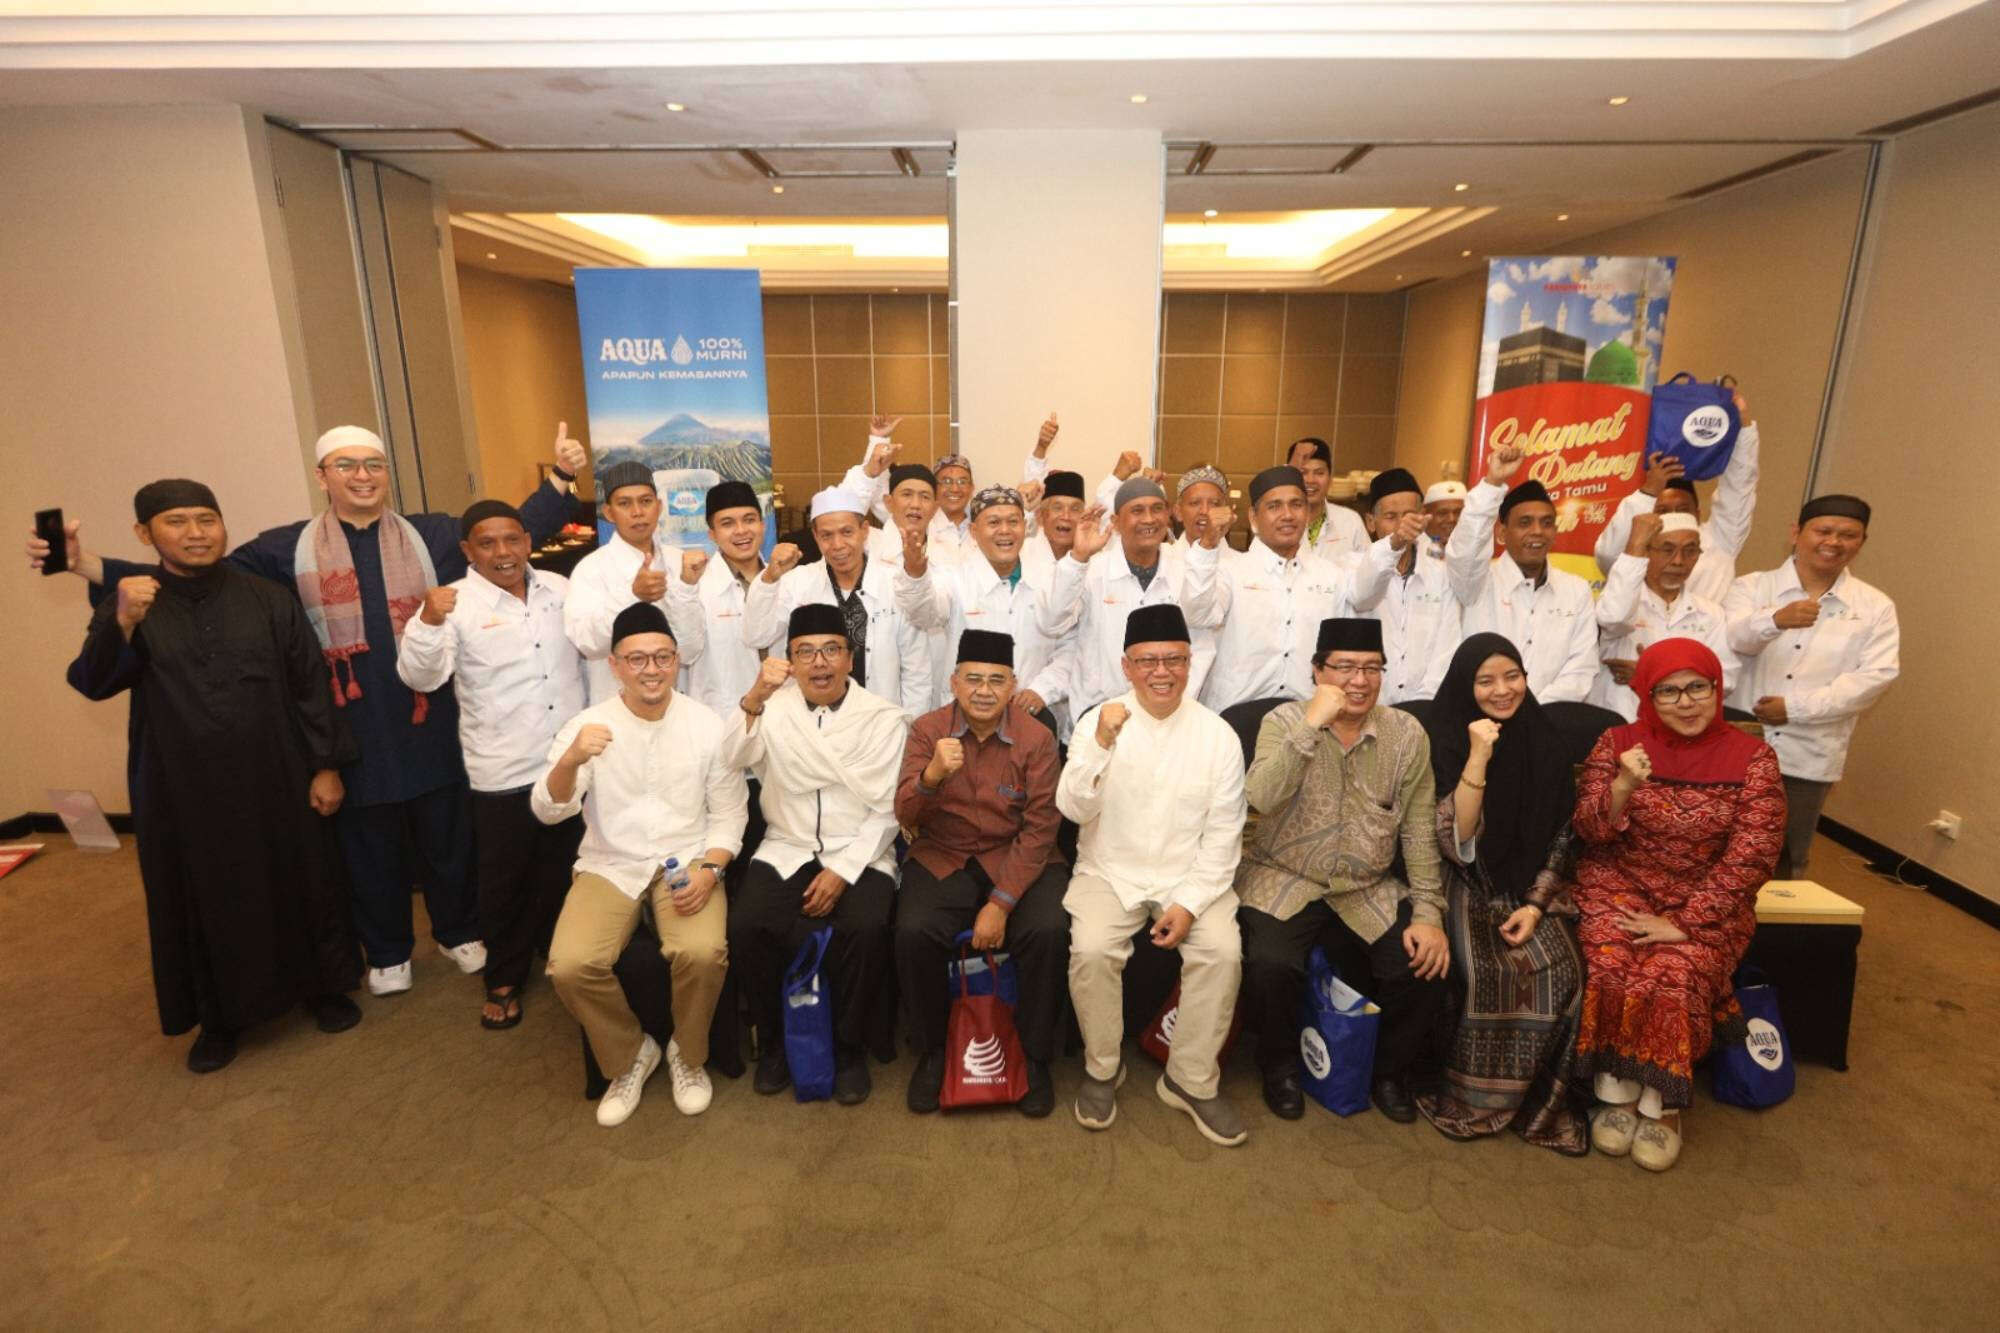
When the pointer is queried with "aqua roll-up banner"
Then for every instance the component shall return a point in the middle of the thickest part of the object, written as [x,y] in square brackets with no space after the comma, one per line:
[673,374]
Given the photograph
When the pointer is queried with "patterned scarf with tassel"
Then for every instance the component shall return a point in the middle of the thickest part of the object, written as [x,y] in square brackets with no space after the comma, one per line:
[324,568]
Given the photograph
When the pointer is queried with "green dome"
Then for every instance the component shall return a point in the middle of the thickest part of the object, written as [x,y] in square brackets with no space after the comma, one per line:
[1614,363]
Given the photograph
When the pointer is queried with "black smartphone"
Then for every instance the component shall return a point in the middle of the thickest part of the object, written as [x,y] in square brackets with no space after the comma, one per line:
[49,527]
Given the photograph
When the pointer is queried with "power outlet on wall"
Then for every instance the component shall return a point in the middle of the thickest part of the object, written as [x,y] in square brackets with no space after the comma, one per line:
[1947,824]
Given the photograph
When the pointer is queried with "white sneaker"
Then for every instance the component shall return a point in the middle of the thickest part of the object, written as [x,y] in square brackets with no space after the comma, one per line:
[692,1090]
[619,1101]
[470,956]
[389,980]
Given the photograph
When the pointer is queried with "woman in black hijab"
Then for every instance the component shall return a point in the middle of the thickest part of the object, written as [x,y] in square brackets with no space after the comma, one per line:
[1505,793]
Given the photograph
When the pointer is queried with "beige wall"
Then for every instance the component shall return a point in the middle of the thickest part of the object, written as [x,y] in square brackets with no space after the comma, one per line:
[143,339]
[1243,374]
[1058,270]
[1912,433]
[526,369]
[1440,369]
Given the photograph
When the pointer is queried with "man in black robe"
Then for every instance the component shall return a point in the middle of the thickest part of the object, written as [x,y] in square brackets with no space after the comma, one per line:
[235,752]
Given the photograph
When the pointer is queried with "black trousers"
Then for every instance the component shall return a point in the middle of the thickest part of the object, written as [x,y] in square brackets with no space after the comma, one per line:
[1274,974]
[930,913]
[766,929]
[523,874]
[374,840]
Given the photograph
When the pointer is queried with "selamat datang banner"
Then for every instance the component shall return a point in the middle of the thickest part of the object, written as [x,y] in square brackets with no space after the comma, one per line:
[673,373]
[1567,362]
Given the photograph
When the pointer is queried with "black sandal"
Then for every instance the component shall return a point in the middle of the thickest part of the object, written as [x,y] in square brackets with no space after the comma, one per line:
[510,1009]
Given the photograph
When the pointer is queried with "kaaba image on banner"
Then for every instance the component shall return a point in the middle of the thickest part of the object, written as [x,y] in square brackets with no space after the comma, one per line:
[1537,356]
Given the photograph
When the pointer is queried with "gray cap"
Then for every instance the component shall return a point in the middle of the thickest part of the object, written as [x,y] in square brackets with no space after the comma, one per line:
[1137,488]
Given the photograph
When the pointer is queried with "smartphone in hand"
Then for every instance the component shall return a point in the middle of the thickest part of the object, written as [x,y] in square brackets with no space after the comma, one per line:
[49,527]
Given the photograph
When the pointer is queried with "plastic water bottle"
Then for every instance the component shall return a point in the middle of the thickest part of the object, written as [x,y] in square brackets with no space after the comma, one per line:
[675,874]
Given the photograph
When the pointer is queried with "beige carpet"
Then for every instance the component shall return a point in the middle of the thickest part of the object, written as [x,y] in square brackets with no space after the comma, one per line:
[418,1172]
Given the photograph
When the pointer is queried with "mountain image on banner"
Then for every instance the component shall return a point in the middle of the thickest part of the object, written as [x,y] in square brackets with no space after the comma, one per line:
[686,441]
[681,428]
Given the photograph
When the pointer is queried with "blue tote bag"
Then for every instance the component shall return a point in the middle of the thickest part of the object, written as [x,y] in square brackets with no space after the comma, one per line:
[1337,1026]
[1696,423]
[980,978]
[808,1013]
[1755,1070]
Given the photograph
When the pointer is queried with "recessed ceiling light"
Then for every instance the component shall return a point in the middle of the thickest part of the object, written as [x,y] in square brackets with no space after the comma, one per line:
[675,106]
[1208,212]
[777,189]
[1461,186]
[1399,277]
[1562,217]
[1138,99]
[1620,101]
[491,255]
[1465,254]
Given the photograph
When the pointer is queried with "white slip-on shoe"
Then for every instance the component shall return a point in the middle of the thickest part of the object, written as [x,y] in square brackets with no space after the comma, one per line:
[1612,1128]
[1657,1145]
[389,980]
[621,1099]
[470,956]
[692,1090]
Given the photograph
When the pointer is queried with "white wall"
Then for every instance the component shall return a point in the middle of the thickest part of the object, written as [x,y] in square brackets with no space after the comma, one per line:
[1058,255]
[142,339]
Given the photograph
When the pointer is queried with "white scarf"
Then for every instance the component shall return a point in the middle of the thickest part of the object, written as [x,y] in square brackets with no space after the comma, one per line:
[858,746]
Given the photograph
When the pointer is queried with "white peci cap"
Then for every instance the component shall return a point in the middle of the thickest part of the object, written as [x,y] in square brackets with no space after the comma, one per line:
[347,437]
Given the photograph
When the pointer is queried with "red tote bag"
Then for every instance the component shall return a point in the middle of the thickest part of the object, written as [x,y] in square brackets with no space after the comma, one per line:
[984,1063]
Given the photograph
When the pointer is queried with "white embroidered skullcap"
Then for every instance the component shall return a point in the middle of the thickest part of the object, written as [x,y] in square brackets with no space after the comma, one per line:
[1678,523]
[347,437]
[835,500]
[1444,490]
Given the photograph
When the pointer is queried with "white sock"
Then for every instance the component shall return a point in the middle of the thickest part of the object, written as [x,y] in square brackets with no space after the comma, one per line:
[1649,1104]
[1616,1091]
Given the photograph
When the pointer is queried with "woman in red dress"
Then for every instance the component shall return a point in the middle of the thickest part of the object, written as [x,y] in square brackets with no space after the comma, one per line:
[1682,817]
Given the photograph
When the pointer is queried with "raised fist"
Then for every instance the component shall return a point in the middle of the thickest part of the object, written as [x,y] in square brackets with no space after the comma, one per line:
[784,558]
[135,599]
[1128,463]
[438,604]
[772,673]
[693,564]
[1324,705]
[946,759]
[1408,528]
[590,741]
[1801,614]
[1484,734]
[571,456]
[1503,463]
[649,584]
[1645,527]
[1110,721]
[1634,766]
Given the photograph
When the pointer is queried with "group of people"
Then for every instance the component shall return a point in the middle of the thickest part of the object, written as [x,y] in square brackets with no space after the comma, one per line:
[1011,718]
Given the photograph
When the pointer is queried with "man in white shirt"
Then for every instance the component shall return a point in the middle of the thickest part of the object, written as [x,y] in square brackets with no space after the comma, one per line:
[646,767]
[497,635]
[1201,507]
[1265,604]
[827,753]
[1818,647]
[891,657]
[635,565]
[1545,611]
[1413,600]
[1665,489]
[1056,517]
[1647,597]
[1335,531]
[1155,781]
[1099,583]
[989,589]
[705,604]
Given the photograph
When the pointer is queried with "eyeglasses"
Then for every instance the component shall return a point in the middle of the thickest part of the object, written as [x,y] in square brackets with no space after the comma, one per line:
[1163,662]
[826,652]
[1695,691]
[347,467]
[1367,671]
[639,661]
[973,682]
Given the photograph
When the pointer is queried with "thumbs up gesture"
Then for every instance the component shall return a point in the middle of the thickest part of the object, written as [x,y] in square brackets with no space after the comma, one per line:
[571,456]
[649,584]
[438,604]
[1047,436]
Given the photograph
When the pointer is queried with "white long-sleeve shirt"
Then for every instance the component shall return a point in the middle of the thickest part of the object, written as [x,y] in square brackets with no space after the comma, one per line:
[1264,611]
[950,599]
[660,788]
[516,675]
[1420,619]
[1553,625]
[1827,673]
[1091,602]
[898,654]
[1631,617]
[1342,535]
[1722,535]
[717,667]
[599,588]
[1162,811]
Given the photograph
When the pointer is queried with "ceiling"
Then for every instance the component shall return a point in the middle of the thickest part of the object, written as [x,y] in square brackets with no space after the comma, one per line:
[516,107]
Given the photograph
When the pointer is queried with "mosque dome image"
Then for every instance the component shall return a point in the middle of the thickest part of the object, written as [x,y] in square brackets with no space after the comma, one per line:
[1613,363]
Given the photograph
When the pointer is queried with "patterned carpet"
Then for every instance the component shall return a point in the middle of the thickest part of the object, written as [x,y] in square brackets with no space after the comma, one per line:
[418,1172]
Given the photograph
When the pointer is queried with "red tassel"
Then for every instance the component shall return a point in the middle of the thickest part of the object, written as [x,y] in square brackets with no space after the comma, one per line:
[421,711]
[353,685]
[339,699]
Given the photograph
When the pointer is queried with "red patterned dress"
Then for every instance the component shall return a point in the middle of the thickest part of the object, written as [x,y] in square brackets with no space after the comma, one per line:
[1695,853]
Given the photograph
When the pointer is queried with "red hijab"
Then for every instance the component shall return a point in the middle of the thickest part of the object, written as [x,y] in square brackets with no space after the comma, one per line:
[1720,754]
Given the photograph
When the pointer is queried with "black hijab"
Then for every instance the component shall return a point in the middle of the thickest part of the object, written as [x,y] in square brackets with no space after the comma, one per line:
[1530,791]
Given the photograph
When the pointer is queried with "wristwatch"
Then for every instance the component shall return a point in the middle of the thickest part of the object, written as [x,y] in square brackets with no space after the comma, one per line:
[712,867]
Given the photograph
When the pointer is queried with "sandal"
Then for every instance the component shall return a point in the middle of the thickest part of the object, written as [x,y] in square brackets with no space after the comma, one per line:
[510,1010]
